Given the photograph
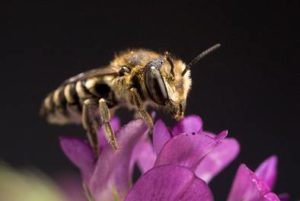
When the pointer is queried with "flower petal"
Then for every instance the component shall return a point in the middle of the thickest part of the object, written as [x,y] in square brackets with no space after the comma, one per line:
[172,183]
[161,135]
[112,172]
[284,197]
[188,149]
[267,171]
[271,197]
[79,153]
[189,124]
[218,159]
[115,124]
[247,186]
[144,155]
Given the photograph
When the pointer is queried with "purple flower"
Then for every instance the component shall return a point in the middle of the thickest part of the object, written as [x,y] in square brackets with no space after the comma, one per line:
[252,186]
[172,183]
[188,145]
[109,177]
[177,165]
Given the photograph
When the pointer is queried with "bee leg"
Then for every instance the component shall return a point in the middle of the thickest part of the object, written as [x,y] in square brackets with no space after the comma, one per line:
[141,110]
[105,117]
[90,125]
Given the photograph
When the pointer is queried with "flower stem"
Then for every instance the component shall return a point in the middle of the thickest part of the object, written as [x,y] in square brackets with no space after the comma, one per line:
[87,193]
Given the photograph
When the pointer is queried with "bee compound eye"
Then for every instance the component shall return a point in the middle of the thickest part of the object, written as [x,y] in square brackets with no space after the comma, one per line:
[155,84]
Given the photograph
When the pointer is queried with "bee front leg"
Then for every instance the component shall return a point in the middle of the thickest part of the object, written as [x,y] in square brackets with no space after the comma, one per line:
[105,117]
[90,125]
[141,110]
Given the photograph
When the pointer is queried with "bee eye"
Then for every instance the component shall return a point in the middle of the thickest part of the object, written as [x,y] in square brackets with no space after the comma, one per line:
[154,82]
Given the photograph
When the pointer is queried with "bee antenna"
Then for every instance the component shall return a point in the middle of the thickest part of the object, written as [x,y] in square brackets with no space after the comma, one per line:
[200,56]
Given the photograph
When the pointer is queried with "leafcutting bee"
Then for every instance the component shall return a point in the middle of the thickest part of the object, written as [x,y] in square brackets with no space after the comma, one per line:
[135,79]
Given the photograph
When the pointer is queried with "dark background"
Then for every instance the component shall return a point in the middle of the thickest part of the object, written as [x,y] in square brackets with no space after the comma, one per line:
[250,86]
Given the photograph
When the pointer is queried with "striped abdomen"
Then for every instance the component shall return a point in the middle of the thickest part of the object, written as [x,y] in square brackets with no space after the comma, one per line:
[64,105]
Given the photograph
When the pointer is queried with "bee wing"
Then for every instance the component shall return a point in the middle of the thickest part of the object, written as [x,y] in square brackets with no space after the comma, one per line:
[92,73]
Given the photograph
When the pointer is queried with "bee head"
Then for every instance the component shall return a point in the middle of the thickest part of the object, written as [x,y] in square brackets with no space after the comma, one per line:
[168,81]
[166,85]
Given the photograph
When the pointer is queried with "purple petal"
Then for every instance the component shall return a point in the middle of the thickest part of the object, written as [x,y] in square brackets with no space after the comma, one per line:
[271,197]
[172,183]
[144,155]
[80,153]
[247,186]
[187,149]
[112,172]
[161,135]
[218,159]
[284,197]
[115,124]
[267,171]
[189,124]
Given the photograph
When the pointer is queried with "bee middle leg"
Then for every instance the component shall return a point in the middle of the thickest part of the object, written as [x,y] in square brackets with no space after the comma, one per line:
[141,110]
[90,124]
[105,117]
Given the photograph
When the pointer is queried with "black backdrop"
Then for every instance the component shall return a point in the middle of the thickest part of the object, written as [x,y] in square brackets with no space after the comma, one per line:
[250,86]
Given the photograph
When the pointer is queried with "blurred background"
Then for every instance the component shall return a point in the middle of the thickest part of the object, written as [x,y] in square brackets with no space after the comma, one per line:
[250,86]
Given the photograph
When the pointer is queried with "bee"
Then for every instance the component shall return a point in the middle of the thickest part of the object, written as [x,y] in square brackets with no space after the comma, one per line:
[135,79]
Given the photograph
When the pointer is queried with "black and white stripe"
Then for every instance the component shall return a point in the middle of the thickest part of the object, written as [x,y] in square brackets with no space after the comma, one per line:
[64,105]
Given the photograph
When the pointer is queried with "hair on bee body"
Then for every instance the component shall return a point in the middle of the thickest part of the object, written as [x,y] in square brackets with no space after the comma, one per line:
[135,79]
